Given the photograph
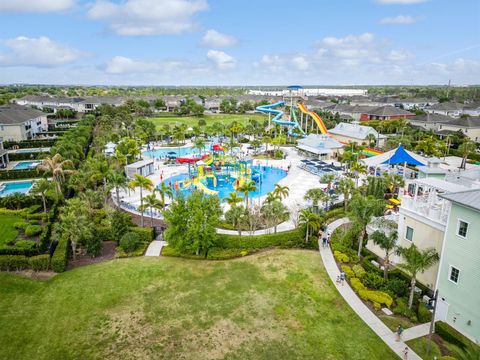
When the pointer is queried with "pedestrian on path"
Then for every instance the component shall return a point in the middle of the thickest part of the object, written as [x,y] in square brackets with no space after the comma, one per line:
[342,278]
[399,332]
[324,241]
[338,280]
[405,353]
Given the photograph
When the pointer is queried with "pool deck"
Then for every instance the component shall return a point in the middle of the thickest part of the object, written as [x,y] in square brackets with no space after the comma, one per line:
[299,182]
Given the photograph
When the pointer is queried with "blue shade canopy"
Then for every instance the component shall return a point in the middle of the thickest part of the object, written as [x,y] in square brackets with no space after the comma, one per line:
[294,87]
[401,156]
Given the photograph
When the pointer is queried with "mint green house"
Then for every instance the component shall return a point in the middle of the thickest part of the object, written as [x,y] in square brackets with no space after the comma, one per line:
[458,280]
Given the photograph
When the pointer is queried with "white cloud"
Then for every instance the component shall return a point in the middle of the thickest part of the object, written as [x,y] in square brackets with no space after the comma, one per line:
[399,20]
[400,55]
[349,41]
[300,63]
[147,17]
[222,60]
[215,39]
[38,52]
[400,2]
[41,6]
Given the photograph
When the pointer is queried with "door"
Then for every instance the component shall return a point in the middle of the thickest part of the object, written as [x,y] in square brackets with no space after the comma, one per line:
[442,310]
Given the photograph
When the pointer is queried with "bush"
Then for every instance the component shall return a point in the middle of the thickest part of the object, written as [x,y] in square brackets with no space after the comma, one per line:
[13,262]
[423,313]
[60,256]
[373,280]
[357,285]
[396,286]
[40,262]
[13,250]
[130,241]
[146,234]
[449,334]
[402,309]
[26,244]
[139,251]
[32,230]
[359,271]
[341,257]
[287,239]
[20,225]
[18,174]
[348,271]
[379,297]
[104,233]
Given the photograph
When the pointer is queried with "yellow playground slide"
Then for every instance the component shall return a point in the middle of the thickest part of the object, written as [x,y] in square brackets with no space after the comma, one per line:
[318,119]
[200,186]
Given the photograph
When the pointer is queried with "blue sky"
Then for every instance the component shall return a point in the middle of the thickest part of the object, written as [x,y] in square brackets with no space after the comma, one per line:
[233,42]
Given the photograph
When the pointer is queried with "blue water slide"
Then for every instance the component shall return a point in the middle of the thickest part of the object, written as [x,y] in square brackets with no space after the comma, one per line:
[278,118]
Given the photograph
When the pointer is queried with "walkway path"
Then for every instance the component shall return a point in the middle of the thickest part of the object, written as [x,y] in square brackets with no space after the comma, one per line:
[357,305]
[416,332]
[155,248]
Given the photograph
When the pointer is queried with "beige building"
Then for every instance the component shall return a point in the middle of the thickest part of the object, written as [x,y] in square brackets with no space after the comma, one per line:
[359,134]
[19,123]
[469,126]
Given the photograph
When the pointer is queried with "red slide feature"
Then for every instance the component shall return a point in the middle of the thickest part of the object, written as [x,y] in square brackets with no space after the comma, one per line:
[318,119]
[191,160]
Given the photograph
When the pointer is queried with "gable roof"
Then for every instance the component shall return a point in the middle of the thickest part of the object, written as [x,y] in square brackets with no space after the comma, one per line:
[446,106]
[467,122]
[387,111]
[468,198]
[17,114]
[353,130]
[431,118]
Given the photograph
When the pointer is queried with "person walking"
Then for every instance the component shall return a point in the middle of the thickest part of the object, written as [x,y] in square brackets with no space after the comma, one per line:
[405,353]
[342,278]
[399,332]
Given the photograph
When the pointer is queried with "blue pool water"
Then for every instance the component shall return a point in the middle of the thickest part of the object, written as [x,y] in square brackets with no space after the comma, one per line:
[10,188]
[268,178]
[33,150]
[176,151]
[26,165]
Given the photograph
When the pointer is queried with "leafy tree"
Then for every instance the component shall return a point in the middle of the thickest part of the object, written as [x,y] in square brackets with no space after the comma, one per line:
[416,261]
[118,181]
[120,223]
[431,146]
[58,168]
[466,148]
[143,183]
[362,210]
[45,189]
[275,212]
[376,187]
[315,196]
[233,199]
[129,148]
[311,221]
[159,104]
[200,144]
[235,217]
[346,186]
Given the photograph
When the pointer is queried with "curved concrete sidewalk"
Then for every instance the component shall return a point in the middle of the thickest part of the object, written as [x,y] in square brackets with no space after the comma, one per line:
[356,304]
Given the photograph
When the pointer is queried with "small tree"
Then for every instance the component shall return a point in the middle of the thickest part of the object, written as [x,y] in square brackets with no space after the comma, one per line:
[316,196]
[143,183]
[346,187]
[311,221]
[416,261]
[246,188]
[466,148]
[386,242]
[151,202]
[281,191]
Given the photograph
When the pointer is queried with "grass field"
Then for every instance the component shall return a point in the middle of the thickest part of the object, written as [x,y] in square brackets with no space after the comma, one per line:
[226,119]
[274,305]
[7,231]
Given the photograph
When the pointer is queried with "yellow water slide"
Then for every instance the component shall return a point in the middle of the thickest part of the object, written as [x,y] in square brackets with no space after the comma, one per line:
[200,186]
[318,119]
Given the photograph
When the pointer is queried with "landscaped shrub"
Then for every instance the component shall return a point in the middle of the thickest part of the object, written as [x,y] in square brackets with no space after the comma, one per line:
[32,230]
[341,257]
[146,234]
[376,296]
[357,284]
[449,334]
[373,280]
[139,251]
[287,239]
[39,262]
[130,241]
[18,174]
[20,225]
[396,286]
[13,262]
[348,271]
[401,308]
[37,216]
[60,256]
[359,271]
[104,233]
[423,313]
[26,244]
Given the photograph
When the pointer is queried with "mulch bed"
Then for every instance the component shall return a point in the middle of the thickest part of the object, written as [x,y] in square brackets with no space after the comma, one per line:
[108,253]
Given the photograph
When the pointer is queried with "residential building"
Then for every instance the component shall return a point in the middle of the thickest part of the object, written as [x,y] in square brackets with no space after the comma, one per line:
[432,170]
[446,108]
[3,155]
[469,126]
[320,146]
[429,121]
[21,122]
[312,92]
[359,134]
[459,270]
[78,104]
[472,109]
[385,113]
[414,103]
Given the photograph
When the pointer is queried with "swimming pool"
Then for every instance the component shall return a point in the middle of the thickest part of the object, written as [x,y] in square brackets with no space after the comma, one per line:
[269,176]
[24,165]
[32,150]
[174,151]
[9,188]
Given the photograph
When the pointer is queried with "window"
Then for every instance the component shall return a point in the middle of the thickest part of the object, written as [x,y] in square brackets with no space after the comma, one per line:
[454,274]
[462,228]
[409,233]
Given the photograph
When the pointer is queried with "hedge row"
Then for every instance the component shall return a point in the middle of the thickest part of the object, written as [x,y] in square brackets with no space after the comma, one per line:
[472,156]
[291,238]
[47,231]
[28,144]
[18,174]
[20,262]
[60,256]
[449,334]
[146,234]
[213,254]
[24,156]
[13,250]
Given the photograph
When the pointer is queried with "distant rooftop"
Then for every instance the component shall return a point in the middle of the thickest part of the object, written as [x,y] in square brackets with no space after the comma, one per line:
[17,114]
[353,130]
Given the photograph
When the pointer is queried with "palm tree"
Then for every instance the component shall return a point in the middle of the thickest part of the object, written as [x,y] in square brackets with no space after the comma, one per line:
[387,243]
[362,210]
[102,171]
[164,190]
[266,140]
[394,181]
[358,168]
[466,148]
[346,187]
[315,196]
[327,179]
[44,188]
[271,197]
[416,261]
[281,191]
[200,144]
[233,199]
[143,183]
[372,139]
[151,202]
[311,221]
[278,212]
[118,181]
[246,188]
[56,166]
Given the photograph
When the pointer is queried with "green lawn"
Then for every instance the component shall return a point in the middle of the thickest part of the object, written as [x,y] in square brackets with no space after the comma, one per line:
[7,231]
[226,119]
[274,305]
[419,345]
[393,321]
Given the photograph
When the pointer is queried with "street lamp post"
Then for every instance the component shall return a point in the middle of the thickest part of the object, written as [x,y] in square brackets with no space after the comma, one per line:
[432,323]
